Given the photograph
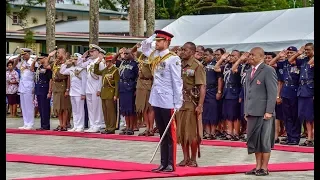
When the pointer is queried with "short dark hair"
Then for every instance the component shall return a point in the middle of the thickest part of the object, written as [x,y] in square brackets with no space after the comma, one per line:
[192,46]
[221,50]
[201,47]
[209,50]
[310,44]
[270,54]
[9,62]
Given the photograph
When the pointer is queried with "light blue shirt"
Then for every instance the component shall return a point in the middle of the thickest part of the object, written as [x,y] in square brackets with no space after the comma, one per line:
[166,91]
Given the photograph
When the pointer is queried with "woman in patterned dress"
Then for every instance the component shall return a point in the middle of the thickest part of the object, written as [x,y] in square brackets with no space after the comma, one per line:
[12,84]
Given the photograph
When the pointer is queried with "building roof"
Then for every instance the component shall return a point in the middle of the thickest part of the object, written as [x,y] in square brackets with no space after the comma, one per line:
[271,30]
[72,8]
[79,37]
[105,26]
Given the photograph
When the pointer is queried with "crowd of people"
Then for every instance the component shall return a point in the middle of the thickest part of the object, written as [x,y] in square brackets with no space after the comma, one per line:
[110,85]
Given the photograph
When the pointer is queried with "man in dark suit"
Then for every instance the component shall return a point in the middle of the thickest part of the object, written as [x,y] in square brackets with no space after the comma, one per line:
[259,106]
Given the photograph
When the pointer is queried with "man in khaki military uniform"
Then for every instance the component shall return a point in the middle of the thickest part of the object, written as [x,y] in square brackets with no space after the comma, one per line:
[60,88]
[109,92]
[189,121]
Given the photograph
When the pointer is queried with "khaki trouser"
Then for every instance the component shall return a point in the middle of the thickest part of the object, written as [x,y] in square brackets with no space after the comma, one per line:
[109,113]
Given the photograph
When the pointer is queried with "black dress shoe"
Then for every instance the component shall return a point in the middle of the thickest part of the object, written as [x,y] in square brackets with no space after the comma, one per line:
[108,132]
[293,143]
[169,168]
[277,141]
[160,168]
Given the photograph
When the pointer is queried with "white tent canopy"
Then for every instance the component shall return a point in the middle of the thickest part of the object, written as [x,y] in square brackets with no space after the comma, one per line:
[271,30]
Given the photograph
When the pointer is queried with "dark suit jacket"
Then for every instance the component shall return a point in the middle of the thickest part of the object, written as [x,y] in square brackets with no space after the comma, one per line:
[260,91]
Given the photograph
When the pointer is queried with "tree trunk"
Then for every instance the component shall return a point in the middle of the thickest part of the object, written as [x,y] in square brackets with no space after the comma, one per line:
[140,27]
[94,22]
[51,25]
[150,17]
[133,17]
[304,3]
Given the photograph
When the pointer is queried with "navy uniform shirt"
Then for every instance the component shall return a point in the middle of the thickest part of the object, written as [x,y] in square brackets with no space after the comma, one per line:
[212,79]
[128,75]
[289,75]
[232,82]
[306,87]
[42,79]
[243,74]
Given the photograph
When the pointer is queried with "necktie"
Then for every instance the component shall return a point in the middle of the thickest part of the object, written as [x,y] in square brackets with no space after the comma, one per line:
[253,71]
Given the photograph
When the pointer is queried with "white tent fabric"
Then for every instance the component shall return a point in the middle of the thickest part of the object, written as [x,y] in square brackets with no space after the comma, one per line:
[271,30]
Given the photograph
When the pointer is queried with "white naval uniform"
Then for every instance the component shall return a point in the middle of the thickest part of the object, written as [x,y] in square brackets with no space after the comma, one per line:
[26,87]
[93,85]
[166,91]
[77,89]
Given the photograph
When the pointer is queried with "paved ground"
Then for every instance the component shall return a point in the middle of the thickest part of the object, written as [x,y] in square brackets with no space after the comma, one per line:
[127,151]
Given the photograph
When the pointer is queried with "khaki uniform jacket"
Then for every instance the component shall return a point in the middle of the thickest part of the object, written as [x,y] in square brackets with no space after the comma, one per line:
[110,80]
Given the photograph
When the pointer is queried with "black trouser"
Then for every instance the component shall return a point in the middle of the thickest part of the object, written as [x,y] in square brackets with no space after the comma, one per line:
[44,109]
[86,117]
[162,117]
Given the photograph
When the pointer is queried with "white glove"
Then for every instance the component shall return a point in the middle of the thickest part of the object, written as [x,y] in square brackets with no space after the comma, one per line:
[149,40]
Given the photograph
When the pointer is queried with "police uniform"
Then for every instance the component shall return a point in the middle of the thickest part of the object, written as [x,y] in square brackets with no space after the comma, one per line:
[210,115]
[78,82]
[26,87]
[128,70]
[243,73]
[305,91]
[279,107]
[42,81]
[109,90]
[59,87]
[94,83]
[165,95]
[231,91]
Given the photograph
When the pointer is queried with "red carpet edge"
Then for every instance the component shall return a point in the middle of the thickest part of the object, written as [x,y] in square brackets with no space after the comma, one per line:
[154,139]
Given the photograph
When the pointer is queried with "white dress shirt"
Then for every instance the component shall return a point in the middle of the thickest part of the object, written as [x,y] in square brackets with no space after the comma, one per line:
[77,83]
[94,82]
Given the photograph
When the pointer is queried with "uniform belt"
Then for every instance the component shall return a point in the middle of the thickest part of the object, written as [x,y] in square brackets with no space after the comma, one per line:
[211,86]
[288,83]
[59,80]
[126,80]
[302,82]
[145,78]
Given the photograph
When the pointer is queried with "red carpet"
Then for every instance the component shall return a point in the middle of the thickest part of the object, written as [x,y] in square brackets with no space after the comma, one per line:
[142,171]
[155,139]
[106,176]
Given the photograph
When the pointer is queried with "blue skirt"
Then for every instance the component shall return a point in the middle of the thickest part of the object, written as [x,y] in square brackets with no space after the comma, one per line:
[127,103]
[305,109]
[231,109]
[210,115]
[279,112]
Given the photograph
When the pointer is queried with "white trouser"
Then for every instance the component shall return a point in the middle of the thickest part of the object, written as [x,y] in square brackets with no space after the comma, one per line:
[27,108]
[94,110]
[77,112]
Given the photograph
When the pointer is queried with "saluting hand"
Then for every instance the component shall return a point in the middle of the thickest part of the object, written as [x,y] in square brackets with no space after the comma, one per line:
[301,50]
[224,56]
[244,56]
[52,53]
[267,116]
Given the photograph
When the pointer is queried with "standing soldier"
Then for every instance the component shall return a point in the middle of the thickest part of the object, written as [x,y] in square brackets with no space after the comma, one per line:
[109,93]
[43,82]
[26,88]
[93,87]
[128,69]
[189,118]
[244,65]
[231,91]
[166,93]
[306,88]
[60,88]
[213,95]
[288,96]
[78,82]
[144,84]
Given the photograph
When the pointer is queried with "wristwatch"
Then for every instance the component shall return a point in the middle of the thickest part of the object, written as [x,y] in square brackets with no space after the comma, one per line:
[219,92]
[67,90]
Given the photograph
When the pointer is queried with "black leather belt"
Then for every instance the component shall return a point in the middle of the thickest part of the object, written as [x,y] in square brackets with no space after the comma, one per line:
[211,86]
